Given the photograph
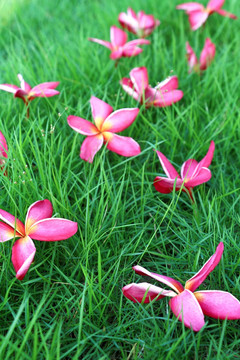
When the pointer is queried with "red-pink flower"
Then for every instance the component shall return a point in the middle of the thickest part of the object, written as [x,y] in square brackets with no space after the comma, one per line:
[188,305]
[139,24]
[27,94]
[198,14]
[206,57]
[193,173]
[3,149]
[119,46]
[39,225]
[107,123]
[164,94]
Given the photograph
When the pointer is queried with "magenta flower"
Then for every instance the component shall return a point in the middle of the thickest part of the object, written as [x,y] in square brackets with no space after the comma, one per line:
[3,149]
[139,24]
[164,94]
[107,123]
[198,14]
[188,305]
[39,225]
[119,46]
[193,173]
[206,57]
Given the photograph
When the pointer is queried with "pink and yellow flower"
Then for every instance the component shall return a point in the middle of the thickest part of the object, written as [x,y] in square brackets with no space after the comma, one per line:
[206,57]
[39,225]
[139,24]
[107,123]
[193,173]
[119,46]
[188,305]
[198,14]
[164,94]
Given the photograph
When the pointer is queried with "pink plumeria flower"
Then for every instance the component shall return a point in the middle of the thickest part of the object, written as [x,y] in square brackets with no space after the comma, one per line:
[107,123]
[119,46]
[206,57]
[3,149]
[164,94]
[139,24]
[193,173]
[188,305]
[39,225]
[198,14]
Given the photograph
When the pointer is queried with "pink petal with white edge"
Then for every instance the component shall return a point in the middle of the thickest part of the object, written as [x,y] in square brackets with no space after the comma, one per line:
[41,209]
[203,176]
[137,42]
[172,283]
[197,19]
[206,161]
[148,292]
[7,232]
[53,229]
[188,168]
[191,57]
[100,110]
[90,146]
[120,120]
[218,304]
[215,4]
[45,86]
[171,83]
[43,93]
[82,126]
[23,252]
[3,146]
[186,307]
[193,283]
[9,88]
[118,36]
[207,55]
[226,13]
[128,21]
[191,6]
[121,145]
[167,98]
[129,51]
[127,86]
[168,168]
[101,42]
[12,221]
[139,78]
[23,84]
[165,185]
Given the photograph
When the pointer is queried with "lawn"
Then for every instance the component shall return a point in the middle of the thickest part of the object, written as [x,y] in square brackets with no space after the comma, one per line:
[70,304]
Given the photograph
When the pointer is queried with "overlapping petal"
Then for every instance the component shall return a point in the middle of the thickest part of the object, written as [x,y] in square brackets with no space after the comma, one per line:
[53,229]
[23,84]
[90,147]
[129,51]
[203,176]
[128,86]
[188,168]
[118,36]
[39,210]
[23,252]
[120,120]
[139,78]
[165,185]
[7,232]
[197,19]
[148,292]
[121,145]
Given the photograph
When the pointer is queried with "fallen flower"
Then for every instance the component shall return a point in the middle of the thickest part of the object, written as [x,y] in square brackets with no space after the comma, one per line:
[193,173]
[39,225]
[119,46]
[188,305]
[206,57]
[3,149]
[139,24]
[107,123]
[164,94]
[198,14]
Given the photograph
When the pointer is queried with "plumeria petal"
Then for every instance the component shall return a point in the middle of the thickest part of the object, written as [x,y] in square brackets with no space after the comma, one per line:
[118,36]
[197,19]
[22,94]
[168,168]
[203,176]
[226,13]
[139,78]
[148,292]
[193,283]
[41,209]
[129,51]
[23,252]
[7,232]
[165,185]
[90,146]
[127,86]
[172,283]
[101,42]
[9,88]
[120,120]
[129,21]
[42,93]
[45,86]
[100,110]
[23,84]
[121,145]
[206,161]
[218,304]
[82,126]
[186,307]
[207,55]
[116,54]
[53,229]
[3,146]
[171,83]
[188,168]
[167,98]
[191,6]
[215,4]
[137,42]
[12,221]
[191,57]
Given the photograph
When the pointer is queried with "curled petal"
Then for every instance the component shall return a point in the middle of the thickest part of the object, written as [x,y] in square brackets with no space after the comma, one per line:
[82,126]
[121,145]
[118,36]
[7,232]
[197,19]
[148,292]
[12,221]
[120,120]
[9,88]
[41,209]
[226,13]
[101,42]
[191,6]
[168,168]
[53,229]
[127,86]
[203,176]
[100,110]
[207,54]
[139,78]
[218,304]
[165,185]
[23,252]
[90,146]
[191,57]
[188,168]
[193,283]
[172,283]
[23,84]
[186,307]
[3,146]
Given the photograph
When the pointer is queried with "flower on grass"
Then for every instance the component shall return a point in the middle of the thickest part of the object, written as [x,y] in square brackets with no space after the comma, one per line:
[107,123]
[198,14]
[206,57]
[164,94]
[3,149]
[193,173]
[119,46]
[139,24]
[39,225]
[188,305]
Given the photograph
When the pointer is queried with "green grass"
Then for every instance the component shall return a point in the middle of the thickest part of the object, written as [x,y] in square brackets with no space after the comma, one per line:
[70,304]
